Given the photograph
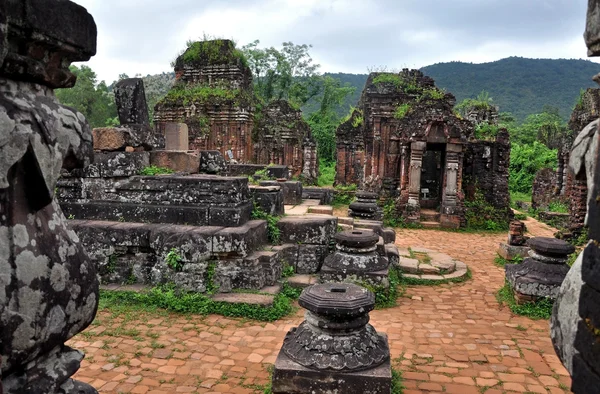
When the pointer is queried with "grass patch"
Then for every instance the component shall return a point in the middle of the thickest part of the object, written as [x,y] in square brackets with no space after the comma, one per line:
[520,216]
[519,197]
[558,207]
[541,309]
[168,298]
[500,261]
[385,297]
[155,170]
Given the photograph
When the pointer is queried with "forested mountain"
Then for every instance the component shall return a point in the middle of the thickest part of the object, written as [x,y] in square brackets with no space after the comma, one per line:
[517,85]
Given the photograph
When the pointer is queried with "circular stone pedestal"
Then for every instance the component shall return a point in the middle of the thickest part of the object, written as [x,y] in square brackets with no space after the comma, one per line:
[541,274]
[356,259]
[366,206]
[429,265]
[335,349]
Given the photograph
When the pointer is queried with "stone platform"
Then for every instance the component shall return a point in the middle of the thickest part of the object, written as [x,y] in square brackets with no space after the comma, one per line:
[429,265]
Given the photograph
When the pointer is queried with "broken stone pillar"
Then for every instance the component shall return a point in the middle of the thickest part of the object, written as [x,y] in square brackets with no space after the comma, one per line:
[131,101]
[176,136]
[414,181]
[356,259]
[334,350]
[48,285]
[516,243]
[542,274]
[366,207]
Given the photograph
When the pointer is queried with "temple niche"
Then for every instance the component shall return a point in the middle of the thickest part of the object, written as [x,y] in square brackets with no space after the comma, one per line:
[405,141]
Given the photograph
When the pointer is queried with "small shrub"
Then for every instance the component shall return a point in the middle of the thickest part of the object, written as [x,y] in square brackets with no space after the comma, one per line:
[288,270]
[520,216]
[397,386]
[173,260]
[582,239]
[486,131]
[390,216]
[326,173]
[385,297]
[154,170]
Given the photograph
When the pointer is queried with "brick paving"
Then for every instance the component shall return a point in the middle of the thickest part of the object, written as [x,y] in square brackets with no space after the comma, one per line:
[451,338]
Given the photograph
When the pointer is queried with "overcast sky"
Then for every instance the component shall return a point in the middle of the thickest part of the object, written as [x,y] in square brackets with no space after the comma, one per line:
[144,36]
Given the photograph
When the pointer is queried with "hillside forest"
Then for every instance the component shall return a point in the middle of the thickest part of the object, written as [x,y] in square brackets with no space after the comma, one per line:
[535,97]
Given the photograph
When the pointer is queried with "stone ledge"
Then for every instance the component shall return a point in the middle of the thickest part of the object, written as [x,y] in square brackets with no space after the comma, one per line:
[302,281]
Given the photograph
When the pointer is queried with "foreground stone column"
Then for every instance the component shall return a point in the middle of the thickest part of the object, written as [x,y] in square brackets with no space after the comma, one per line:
[48,286]
[414,180]
[542,274]
[334,350]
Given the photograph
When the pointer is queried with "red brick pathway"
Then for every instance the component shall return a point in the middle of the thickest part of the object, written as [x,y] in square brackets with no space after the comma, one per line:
[451,338]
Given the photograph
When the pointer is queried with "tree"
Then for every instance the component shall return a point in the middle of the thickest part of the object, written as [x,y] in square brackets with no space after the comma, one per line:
[288,73]
[91,98]
[525,161]
[325,121]
[546,127]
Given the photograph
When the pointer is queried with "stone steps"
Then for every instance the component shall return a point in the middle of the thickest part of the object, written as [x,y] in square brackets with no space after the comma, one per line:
[429,215]
[321,209]
[346,220]
[431,225]
[302,281]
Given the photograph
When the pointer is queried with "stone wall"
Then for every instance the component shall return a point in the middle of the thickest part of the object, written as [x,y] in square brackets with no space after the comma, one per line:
[213,96]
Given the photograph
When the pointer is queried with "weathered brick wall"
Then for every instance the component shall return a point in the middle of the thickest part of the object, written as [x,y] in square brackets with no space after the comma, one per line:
[544,188]
[486,169]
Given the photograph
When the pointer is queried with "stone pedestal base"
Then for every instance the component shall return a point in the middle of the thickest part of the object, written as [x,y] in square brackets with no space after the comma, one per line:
[377,278]
[511,252]
[532,279]
[290,377]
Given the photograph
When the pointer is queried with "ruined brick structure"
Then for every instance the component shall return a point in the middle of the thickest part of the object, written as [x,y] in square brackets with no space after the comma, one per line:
[283,137]
[405,141]
[213,96]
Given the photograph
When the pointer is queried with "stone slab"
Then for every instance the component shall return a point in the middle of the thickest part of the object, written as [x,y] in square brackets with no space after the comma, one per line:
[302,280]
[178,161]
[290,377]
[308,229]
[409,265]
[176,136]
[321,210]
[511,252]
[311,203]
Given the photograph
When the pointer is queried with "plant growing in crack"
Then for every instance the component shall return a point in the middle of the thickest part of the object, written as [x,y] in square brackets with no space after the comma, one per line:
[173,260]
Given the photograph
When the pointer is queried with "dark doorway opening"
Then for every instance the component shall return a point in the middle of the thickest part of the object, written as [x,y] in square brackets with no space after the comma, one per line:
[432,176]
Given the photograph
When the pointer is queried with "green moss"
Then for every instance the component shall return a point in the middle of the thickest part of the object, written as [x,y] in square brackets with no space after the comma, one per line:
[154,170]
[357,121]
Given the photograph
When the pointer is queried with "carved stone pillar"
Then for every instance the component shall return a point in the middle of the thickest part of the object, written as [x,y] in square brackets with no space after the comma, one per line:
[48,285]
[414,180]
[449,217]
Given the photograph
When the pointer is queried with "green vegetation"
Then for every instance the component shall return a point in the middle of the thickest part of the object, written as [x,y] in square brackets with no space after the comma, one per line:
[92,98]
[154,170]
[541,309]
[273,232]
[385,297]
[525,161]
[397,386]
[519,197]
[326,173]
[486,131]
[518,85]
[402,111]
[501,261]
[202,94]
[482,102]
[214,51]
[558,207]
[173,260]
[166,297]
[344,195]
[480,215]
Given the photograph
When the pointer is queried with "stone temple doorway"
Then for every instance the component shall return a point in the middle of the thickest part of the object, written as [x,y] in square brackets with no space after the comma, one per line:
[432,176]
